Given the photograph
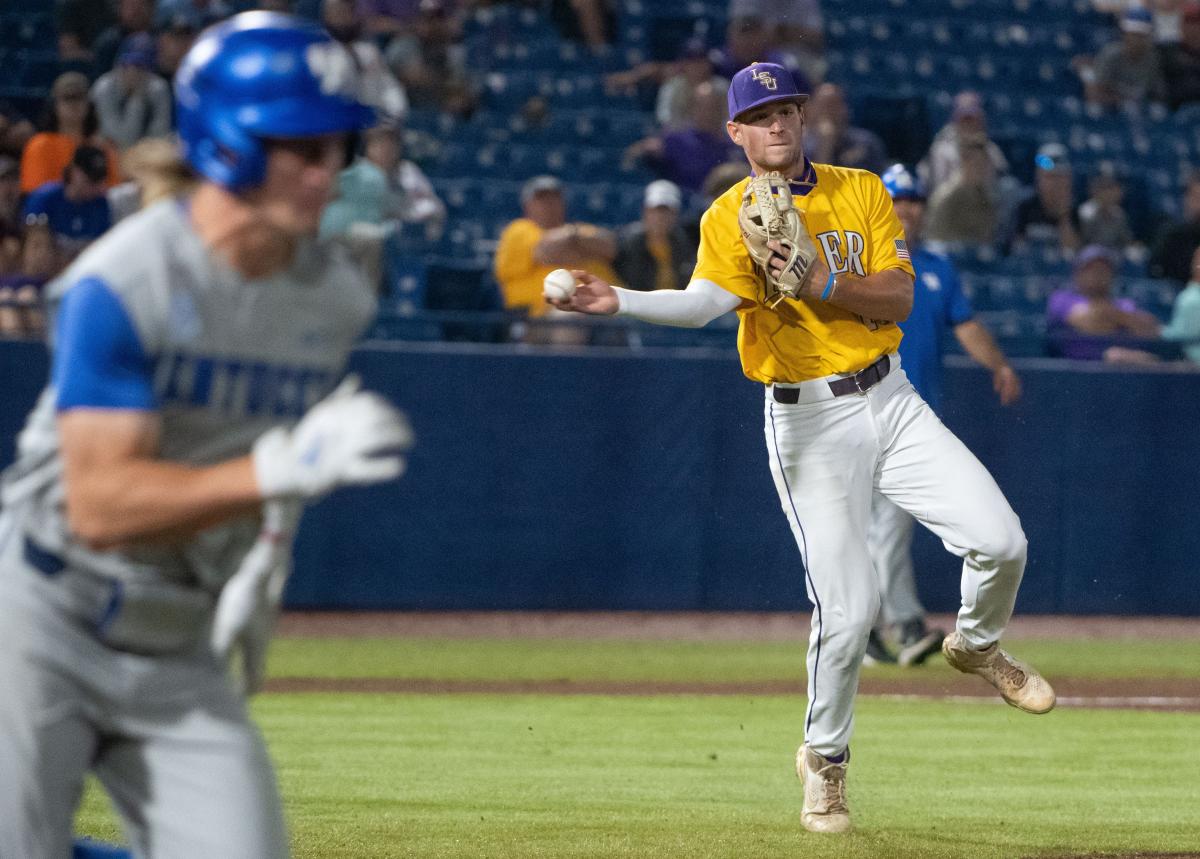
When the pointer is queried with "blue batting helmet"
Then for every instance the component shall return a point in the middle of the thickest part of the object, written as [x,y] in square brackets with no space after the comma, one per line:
[902,184]
[262,75]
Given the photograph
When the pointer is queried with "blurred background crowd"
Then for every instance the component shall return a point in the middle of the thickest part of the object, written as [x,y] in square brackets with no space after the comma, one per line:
[1058,148]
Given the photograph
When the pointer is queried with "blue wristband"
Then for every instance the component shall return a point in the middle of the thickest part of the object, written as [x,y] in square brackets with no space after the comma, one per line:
[829,286]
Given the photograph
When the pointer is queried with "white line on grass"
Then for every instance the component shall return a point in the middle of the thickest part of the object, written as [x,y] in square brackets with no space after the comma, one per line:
[1148,702]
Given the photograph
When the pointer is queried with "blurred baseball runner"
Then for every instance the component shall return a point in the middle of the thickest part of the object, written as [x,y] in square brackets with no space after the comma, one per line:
[818,310]
[192,351]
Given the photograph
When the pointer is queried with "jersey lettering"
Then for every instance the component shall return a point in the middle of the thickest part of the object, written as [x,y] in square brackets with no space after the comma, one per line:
[831,244]
[855,244]
[239,388]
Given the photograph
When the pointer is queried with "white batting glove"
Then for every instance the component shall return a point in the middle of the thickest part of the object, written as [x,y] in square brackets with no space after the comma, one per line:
[249,602]
[350,438]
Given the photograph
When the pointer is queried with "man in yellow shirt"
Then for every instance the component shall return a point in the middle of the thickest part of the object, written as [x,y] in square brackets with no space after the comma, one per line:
[534,245]
[842,421]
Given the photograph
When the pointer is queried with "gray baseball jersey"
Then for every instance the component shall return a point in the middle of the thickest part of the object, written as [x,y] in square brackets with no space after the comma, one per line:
[222,360]
[105,664]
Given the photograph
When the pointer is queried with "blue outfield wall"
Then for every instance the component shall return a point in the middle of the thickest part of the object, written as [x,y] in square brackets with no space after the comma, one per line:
[615,480]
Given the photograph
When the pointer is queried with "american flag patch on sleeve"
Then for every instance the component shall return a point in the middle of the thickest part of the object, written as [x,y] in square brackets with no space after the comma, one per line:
[902,250]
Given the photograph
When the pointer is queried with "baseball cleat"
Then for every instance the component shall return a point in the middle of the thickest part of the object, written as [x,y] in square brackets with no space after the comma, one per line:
[877,652]
[918,643]
[1018,684]
[825,807]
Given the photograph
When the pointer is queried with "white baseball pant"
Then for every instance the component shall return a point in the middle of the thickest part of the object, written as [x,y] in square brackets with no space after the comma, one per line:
[168,737]
[829,456]
[889,543]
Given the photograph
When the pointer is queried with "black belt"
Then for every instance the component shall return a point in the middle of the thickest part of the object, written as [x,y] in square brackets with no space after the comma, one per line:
[859,383]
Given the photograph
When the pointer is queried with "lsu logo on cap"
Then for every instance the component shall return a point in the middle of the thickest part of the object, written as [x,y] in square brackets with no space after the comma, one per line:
[765,78]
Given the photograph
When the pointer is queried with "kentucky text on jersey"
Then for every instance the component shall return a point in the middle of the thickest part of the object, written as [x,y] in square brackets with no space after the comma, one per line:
[239,388]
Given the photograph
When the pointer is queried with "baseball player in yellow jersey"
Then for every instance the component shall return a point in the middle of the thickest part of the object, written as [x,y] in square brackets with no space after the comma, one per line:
[842,421]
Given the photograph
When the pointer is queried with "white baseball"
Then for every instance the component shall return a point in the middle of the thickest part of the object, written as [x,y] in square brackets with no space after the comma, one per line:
[559,285]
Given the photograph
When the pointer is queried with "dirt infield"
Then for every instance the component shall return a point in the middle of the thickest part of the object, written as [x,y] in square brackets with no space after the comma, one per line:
[683,626]
[1179,695]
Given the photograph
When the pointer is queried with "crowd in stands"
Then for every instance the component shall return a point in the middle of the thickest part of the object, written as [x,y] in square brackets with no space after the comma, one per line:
[529,135]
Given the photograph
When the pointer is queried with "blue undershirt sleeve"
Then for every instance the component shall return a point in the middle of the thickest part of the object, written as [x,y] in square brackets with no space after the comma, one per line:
[98,359]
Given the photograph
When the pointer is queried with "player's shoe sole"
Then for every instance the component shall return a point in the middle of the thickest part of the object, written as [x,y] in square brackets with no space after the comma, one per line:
[1018,684]
[825,807]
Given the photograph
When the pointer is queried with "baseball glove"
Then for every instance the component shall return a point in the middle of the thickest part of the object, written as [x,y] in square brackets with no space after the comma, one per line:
[767,214]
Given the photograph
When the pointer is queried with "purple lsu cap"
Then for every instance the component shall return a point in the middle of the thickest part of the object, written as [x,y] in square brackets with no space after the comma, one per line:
[762,83]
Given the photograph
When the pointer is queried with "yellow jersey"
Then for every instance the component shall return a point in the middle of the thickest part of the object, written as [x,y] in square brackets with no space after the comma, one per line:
[849,215]
[520,276]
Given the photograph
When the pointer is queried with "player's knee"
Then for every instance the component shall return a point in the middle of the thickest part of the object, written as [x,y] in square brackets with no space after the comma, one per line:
[855,621]
[1006,543]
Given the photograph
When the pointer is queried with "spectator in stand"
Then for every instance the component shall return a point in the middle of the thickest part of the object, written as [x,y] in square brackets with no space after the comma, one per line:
[676,81]
[830,138]
[383,19]
[80,23]
[593,22]
[431,62]
[284,6]
[382,188]
[74,46]
[1086,321]
[751,40]
[76,209]
[132,101]
[1165,15]
[358,216]
[380,88]
[1126,72]
[672,108]
[133,16]
[21,293]
[210,11]
[687,155]
[964,210]
[655,252]
[360,198]
[542,240]
[15,130]
[154,172]
[70,121]
[967,119]
[1181,61]
[175,34]
[1171,257]
[796,26]
[10,249]
[411,198]
[1184,327]
[1102,220]
[1049,216]
[10,194]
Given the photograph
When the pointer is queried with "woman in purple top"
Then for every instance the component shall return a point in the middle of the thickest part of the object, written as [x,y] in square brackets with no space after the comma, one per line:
[1085,320]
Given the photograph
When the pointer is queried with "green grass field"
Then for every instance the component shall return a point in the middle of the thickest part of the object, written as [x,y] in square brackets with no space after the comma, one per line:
[473,775]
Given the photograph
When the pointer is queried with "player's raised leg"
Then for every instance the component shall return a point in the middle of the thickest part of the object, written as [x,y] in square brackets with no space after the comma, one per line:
[929,472]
